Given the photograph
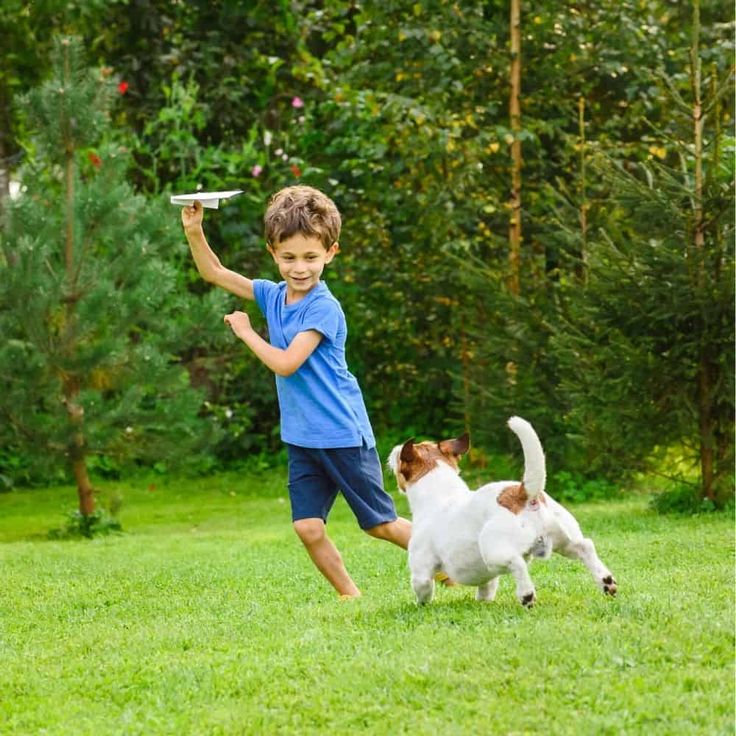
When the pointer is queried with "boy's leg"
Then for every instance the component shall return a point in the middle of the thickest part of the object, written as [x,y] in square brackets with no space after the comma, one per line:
[397,532]
[312,494]
[325,556]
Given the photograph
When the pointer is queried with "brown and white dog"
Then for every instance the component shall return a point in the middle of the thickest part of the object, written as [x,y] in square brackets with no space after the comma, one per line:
[475,536]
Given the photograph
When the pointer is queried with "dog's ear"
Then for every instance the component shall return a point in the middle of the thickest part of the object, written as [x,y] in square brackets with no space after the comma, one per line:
[407,451]
[456,447]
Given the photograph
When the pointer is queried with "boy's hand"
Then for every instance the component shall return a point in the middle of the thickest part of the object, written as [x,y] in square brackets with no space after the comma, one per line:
[191,216]
[239,322]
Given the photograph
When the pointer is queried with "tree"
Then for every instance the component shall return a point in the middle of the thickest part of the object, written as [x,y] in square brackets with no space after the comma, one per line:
[590,420]
[91,308]
[651,337]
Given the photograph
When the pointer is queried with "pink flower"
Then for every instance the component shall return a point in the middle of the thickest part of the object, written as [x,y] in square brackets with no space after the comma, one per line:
[123,87]
[296,170]
[94,159]
[297,102]
[256,170]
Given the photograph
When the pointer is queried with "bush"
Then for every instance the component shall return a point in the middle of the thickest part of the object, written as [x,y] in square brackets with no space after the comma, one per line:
[683,499]
[81,526]
[573,487]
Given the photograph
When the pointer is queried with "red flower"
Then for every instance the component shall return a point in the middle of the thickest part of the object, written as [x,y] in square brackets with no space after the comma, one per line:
[123,87]
[94,159]
[296,170]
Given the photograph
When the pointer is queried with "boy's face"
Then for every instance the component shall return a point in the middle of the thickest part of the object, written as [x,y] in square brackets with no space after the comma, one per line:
[301,260]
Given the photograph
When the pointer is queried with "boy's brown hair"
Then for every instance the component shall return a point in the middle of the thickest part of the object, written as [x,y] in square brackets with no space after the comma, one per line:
[301,210]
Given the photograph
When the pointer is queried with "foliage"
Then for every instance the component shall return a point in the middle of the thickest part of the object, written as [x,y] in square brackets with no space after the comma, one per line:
[606,350]
[651,334]
[682,498]
[567,487]
[92,304]
[511,368]
[86,525]
[399,111]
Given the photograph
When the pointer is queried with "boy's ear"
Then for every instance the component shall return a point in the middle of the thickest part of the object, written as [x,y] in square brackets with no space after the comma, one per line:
[270,249]
[332,251]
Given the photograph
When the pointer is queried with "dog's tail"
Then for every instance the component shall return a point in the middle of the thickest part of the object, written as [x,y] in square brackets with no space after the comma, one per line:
[535,474]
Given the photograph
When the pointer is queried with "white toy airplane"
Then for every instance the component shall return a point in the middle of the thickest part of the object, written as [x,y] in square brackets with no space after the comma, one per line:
[211,200]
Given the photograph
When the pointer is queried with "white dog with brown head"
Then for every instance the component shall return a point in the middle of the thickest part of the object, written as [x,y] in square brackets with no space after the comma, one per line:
[475,536]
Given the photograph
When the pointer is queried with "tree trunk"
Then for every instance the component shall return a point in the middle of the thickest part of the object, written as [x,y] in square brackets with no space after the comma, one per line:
[706,429]
[704,374]
[77,450]
[723,428]
[515,115]
[77,447]
[698,122]
[582,268]
[465,358]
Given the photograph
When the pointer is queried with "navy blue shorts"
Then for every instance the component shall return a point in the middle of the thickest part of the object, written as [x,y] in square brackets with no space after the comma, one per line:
[316,476]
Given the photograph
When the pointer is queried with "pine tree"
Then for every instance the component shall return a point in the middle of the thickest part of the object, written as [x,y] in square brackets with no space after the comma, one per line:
[91,306]
[649,348]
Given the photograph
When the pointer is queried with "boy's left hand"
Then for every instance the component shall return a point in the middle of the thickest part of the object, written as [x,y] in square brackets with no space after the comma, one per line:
[239,322]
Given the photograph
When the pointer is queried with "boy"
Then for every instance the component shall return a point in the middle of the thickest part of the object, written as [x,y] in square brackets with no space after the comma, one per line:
[324,422]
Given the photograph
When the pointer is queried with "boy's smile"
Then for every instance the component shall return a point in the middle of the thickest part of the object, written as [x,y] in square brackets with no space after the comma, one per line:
[301,260]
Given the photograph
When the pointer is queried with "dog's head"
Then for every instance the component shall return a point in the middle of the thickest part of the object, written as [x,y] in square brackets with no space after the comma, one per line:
[412,460]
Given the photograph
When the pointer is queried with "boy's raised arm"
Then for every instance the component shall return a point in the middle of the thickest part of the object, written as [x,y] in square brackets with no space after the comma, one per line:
[207,262]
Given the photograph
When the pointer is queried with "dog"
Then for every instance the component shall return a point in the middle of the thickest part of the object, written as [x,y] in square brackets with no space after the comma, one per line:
[475,536]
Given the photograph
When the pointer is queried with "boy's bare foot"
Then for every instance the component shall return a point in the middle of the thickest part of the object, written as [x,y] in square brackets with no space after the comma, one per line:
[348,597]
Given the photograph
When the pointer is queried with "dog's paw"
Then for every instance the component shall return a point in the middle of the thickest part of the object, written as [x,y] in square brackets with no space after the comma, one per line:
[609,585]
[529,600]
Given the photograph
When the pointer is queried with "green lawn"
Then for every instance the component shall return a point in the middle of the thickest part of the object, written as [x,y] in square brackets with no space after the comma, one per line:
[206,617]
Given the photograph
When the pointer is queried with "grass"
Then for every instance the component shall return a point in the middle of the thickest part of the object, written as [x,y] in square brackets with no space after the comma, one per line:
[206,617]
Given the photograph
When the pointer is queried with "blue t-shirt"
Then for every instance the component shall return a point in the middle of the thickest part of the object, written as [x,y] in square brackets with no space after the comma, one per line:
[321,403]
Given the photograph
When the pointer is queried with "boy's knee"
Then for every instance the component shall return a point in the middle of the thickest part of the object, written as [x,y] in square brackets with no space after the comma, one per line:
[310,531]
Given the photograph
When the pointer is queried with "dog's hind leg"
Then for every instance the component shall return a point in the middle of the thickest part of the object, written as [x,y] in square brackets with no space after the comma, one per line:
[524,586]
[487,592]
[568,540]
[584,550]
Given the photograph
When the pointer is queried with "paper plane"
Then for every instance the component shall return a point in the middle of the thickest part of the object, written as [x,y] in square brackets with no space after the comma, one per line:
[211,200]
